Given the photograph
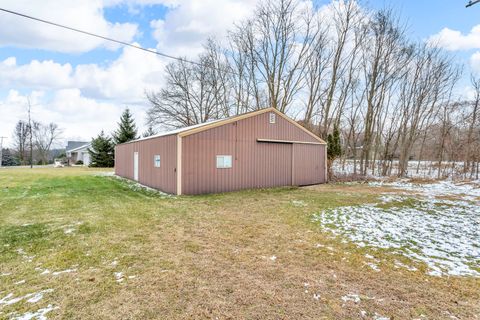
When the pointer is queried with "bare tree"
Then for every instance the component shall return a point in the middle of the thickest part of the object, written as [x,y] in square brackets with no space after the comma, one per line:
[428,85]
[193,93]
[347,20]
[473,125]
[20,140]
[385,55]
[283,35]
[45,136]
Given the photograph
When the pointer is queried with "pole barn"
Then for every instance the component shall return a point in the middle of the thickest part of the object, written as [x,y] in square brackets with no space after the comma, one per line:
[259,149]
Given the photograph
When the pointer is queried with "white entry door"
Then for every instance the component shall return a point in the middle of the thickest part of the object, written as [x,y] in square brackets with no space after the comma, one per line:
[135,166]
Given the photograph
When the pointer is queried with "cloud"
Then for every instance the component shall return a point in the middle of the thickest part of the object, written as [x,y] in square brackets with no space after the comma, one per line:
[83,99]
[123,80]
[454,40]
[85,15]
[475,62]
[189,23]
[37,74]
[78,117]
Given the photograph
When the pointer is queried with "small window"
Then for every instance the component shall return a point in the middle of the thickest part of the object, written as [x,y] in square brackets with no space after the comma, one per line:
[272,117]
[156,161]
[224,162]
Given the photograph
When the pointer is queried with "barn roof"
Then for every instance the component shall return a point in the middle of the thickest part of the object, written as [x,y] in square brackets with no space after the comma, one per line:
[216,123]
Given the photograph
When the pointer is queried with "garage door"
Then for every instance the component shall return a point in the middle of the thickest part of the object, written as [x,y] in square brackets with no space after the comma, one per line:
[274,165]
[308,164]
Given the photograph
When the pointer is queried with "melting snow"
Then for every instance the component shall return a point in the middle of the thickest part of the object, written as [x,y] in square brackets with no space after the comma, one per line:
[7,300]
[40,314]
[398,264]
[373,266]
[69,230]
[31,297]
[56,273]
[118,276]
[351,297]
[298,203]
[444,234]
[35,297]
[379,317]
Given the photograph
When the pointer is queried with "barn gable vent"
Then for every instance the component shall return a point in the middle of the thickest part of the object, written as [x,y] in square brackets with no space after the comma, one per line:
[272,117]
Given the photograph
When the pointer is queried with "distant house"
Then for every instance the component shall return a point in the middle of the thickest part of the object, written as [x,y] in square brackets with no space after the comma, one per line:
[78,151]
[259,149]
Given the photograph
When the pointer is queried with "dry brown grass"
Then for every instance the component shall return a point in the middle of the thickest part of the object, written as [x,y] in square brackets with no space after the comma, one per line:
[210,257]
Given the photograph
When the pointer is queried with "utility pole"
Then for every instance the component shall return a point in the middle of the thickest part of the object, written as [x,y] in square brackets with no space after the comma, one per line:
[471,3]
[30,133]
[1,149]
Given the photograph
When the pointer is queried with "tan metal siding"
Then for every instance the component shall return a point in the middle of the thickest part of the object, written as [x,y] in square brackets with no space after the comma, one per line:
[255,164]
[163,178]
[308,164]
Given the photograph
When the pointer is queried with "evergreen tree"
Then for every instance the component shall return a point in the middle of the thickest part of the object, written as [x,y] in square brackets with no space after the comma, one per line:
[150,132]
[334,148]
[101,151]
[8,159]
[127,130]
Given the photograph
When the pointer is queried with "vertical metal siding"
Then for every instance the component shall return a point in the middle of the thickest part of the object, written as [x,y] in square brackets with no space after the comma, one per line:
[255,165]
[163,178]
[308,164]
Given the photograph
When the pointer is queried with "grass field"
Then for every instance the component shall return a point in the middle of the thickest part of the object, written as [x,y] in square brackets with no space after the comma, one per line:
[76,244]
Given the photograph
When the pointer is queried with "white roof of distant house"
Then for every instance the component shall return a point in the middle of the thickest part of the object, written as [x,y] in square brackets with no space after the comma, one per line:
[80,148]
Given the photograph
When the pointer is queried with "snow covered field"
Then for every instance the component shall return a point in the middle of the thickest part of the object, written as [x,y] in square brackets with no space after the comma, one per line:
[422,169]
[436,223]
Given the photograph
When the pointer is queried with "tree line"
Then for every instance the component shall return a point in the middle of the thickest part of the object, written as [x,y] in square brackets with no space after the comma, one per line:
[345,66]
[33,141]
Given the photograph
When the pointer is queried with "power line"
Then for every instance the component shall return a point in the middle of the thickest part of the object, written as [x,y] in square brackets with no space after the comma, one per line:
[100,36]
[471,3]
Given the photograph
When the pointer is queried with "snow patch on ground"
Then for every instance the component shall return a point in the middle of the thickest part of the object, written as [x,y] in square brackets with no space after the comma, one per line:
[351,297]
[135,186]
[118,276]
[443,233]
[298,203]
[40,314]
[25,256]
[56,273]
[373,266]
[415,169]
[398,264]
[104,173]
[9,299]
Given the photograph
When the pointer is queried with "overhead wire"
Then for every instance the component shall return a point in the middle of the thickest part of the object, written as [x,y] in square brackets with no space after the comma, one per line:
[109,39]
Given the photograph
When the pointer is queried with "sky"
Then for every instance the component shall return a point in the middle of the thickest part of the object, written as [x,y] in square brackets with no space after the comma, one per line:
[83,84]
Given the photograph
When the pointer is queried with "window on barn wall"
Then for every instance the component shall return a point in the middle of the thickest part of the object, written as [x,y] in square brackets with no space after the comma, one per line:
[224,162]
[272,117]
[156,160]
